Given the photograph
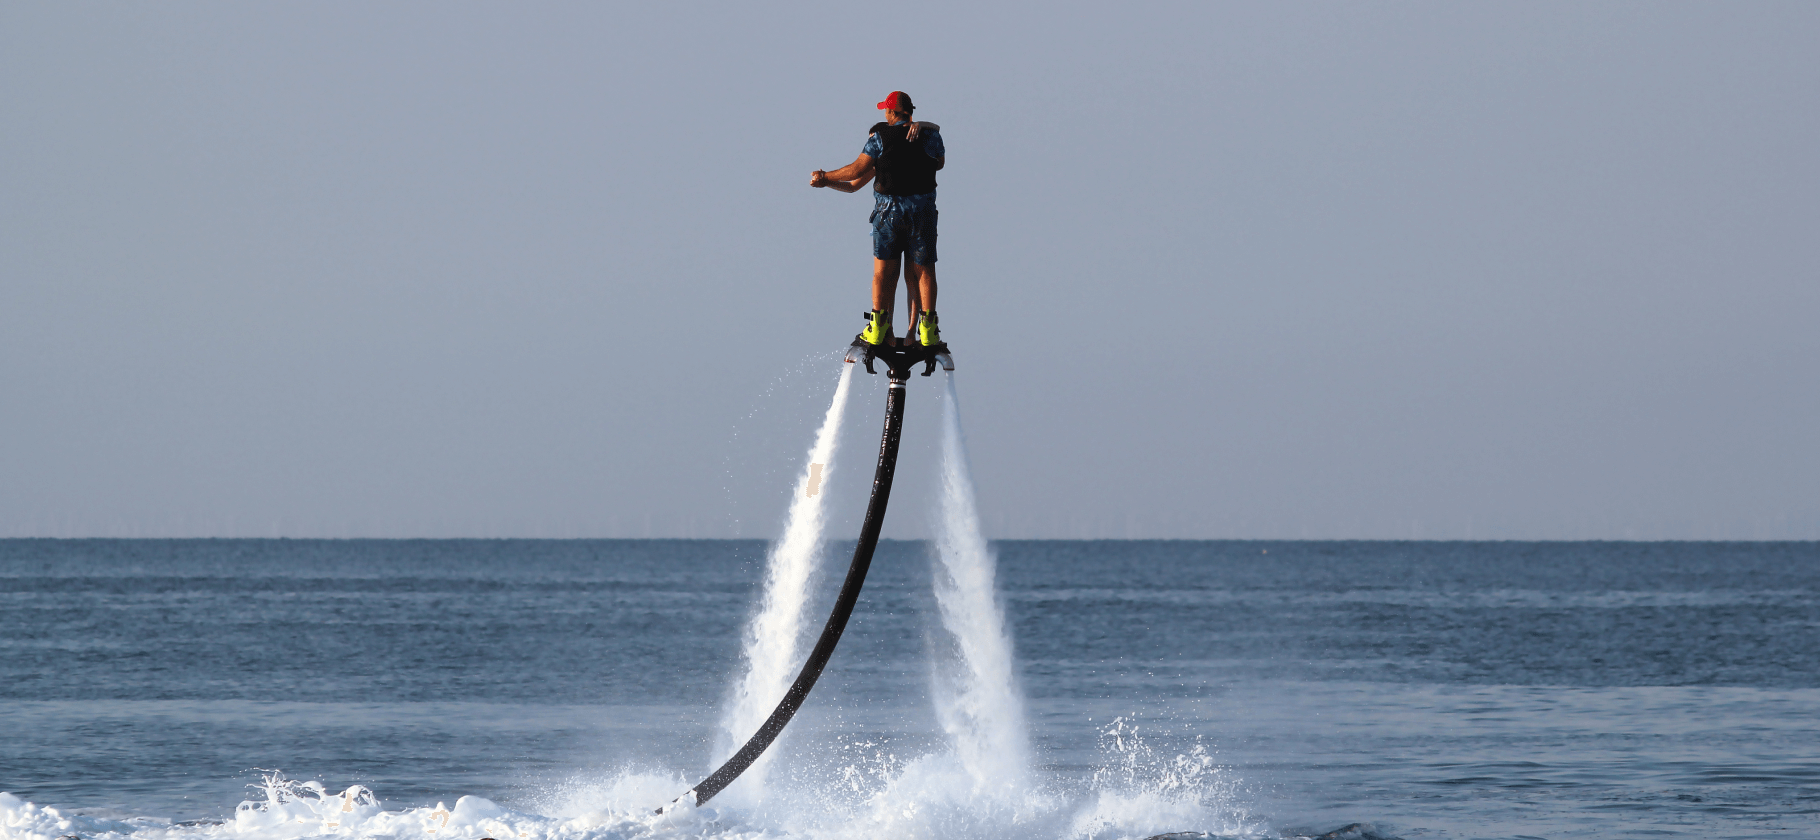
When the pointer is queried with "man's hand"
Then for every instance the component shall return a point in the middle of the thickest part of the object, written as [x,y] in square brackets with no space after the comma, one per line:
[818,178]
[919,127]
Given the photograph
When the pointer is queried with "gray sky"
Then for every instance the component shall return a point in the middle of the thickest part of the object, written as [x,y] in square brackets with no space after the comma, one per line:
[1210,270]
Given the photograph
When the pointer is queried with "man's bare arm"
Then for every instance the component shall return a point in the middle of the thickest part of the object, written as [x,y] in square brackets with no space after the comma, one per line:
[861,165]
[846,186]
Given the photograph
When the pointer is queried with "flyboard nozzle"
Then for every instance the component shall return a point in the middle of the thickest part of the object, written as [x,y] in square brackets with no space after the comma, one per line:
[899,359]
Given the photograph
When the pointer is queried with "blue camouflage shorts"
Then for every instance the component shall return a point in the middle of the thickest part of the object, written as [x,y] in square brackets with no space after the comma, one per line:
[903,223]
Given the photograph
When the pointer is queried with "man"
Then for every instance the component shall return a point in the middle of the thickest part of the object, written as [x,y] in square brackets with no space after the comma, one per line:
[904,156]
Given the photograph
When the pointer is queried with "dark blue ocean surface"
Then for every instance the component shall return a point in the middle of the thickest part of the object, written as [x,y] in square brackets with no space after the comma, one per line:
[1425,689]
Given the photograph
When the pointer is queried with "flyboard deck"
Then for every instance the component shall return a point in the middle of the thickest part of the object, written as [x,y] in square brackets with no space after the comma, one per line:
[899,361]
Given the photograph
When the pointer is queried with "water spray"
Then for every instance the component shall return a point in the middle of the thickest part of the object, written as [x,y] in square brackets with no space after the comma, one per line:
[900,362]
[770,648]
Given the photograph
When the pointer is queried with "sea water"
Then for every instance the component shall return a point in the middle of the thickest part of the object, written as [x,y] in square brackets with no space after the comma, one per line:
[564,689]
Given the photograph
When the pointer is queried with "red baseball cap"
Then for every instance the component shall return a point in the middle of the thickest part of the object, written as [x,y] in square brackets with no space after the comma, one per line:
[897,101]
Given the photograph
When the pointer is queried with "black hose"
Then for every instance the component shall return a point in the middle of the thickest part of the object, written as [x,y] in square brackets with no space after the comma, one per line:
[837,620]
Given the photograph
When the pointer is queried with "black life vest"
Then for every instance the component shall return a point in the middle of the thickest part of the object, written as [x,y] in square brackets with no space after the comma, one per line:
[904,167]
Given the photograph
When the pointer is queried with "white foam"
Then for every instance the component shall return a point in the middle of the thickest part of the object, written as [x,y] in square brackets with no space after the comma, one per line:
[22,820]
[1138,791]
[770,649]
[1141,791]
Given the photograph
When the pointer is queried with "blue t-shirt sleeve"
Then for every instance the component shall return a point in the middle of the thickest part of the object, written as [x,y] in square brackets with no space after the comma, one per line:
[932,143]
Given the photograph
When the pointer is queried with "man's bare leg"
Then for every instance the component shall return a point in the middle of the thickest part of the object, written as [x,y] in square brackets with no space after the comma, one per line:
[919,284]
[884,283]
[912,303]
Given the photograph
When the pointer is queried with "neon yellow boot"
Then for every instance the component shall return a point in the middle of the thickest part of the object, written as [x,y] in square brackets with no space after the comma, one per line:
[928,329]
[878,328]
